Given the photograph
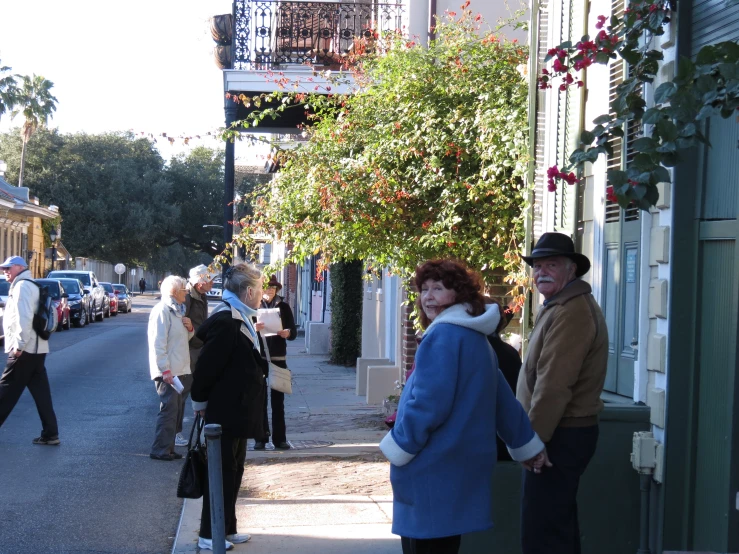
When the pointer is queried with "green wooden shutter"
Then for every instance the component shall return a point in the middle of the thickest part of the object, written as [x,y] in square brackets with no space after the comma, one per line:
[569,124]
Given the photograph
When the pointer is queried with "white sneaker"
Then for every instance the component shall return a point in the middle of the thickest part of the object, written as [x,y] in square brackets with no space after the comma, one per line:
[238,538]
[207,544]
[179,440]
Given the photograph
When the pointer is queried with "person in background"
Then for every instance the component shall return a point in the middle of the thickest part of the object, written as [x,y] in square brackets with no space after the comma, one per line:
[560,386]
[442,447]
[169,357]
[277,345]
[229,388]
[142,285]
[509,363]
[26,351]
[196,308]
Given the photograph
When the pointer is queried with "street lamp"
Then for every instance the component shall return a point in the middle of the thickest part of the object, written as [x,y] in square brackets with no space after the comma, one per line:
[52,236]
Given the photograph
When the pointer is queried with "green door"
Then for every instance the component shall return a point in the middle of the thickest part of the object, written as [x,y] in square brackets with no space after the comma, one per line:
[715,367]
[620,295]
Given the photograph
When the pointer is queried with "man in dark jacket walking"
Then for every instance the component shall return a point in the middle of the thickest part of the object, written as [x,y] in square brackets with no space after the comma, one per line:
[196,308]
[277,345]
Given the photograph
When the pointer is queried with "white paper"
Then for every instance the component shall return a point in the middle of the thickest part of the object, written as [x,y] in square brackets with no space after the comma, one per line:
[271,319]
[177,385]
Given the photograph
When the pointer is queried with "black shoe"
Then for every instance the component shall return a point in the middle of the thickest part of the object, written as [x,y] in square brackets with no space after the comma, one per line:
[259,445]
[175,455]
[282,446]
[47,441]
[163,457]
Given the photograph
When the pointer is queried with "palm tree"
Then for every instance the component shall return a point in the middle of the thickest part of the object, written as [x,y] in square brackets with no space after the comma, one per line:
[35,102]
[8,90]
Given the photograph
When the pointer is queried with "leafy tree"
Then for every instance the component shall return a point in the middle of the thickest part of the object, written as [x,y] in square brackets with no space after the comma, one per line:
[36,104]
[118,200]
[197,191]
[424,159]
[8,90]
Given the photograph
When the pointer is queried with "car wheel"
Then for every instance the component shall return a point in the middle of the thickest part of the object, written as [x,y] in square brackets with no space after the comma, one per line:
[107,313]
[99,316]
[68,324]
[82,321]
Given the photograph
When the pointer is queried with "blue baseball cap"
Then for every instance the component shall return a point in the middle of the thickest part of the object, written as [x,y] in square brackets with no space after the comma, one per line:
[14,260]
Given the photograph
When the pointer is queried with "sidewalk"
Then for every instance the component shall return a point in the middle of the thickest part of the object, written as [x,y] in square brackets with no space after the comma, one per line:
[315,499]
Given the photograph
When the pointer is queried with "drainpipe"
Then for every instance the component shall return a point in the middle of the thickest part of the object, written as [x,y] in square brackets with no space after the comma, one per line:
[644,461]
[533,91]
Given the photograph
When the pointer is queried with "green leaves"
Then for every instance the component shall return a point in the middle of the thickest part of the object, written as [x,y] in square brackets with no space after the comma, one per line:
[664,92]
[425,160]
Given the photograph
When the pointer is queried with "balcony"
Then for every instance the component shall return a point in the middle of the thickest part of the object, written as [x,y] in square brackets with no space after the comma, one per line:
[277,35]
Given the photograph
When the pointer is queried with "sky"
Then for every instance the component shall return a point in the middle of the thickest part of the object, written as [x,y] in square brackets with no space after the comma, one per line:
[140,65]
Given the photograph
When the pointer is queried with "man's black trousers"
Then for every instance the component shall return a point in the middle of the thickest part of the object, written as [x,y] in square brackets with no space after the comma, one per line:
[28,370]
[549,522]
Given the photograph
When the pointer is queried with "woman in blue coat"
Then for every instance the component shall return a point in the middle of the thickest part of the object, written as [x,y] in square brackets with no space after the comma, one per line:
[442,448]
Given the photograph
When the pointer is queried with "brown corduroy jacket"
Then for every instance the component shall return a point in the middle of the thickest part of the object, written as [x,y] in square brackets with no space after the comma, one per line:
[562,377]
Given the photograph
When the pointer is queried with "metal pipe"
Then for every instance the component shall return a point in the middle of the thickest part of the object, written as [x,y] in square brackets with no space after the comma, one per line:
[215,488]
[231,111]
[645,483]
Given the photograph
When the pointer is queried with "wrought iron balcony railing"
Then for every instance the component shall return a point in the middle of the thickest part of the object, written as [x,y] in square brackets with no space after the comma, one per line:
[270,34]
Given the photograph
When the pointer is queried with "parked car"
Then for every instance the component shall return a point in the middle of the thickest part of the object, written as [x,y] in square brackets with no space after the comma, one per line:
[216,291]
[100,301]
[79,302]
[112,298]
[59,298]
[124,298]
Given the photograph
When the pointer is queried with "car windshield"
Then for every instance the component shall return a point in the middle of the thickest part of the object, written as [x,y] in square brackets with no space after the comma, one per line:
[107,286]
[120,288]
[53,287]
[84,277]
[70,286]
[4,288]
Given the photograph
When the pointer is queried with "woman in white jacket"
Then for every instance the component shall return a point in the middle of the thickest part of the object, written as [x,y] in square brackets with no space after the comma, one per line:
[169,357]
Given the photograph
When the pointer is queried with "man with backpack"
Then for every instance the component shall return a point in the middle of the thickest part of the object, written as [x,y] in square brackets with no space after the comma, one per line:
[26,350]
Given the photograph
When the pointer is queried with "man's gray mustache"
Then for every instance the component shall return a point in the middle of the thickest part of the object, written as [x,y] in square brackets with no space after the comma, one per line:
[544,280]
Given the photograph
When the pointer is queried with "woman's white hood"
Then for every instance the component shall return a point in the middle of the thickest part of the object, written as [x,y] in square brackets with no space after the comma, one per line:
[457,314]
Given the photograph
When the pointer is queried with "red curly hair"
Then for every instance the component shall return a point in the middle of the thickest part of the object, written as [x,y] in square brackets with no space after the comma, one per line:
[454,275]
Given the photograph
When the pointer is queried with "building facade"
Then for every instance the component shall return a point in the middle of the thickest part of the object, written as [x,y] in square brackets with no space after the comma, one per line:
[666,279]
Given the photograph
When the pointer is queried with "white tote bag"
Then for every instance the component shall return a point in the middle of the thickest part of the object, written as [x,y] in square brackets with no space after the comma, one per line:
[280,378]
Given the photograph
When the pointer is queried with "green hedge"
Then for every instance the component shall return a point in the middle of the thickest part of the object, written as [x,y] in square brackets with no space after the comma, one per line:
[346,312]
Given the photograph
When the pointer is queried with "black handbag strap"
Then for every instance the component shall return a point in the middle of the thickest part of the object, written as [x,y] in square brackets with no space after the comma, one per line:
[198,424]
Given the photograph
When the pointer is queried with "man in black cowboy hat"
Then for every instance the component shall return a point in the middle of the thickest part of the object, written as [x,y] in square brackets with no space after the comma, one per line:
[277,345]
[560,384]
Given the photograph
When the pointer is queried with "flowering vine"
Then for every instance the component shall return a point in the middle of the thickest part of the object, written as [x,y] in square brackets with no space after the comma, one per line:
[701,89]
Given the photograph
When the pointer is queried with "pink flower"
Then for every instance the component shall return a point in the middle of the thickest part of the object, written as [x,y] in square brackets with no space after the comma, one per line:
[569,79]
[562,87]
[611,195]
[602,35]
[552,52]
[580,84]
[553,172]
[601,22]
[562,54]
[544,71]
[551,187]
[558,66]
[569,178]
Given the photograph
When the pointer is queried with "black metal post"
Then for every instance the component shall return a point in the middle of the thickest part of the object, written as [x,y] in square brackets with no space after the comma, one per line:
[53,255]
[231,110]
[215,488]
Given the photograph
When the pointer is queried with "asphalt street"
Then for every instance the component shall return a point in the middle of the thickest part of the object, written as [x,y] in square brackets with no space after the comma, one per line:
[98,491]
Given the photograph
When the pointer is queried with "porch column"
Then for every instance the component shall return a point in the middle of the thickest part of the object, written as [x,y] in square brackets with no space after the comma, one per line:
[231,110]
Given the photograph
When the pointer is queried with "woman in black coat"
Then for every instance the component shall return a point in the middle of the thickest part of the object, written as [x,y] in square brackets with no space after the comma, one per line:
[509,363]
[229,387]
[277,345]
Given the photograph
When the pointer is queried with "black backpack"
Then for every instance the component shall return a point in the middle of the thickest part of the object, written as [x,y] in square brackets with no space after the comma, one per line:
[45,318]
